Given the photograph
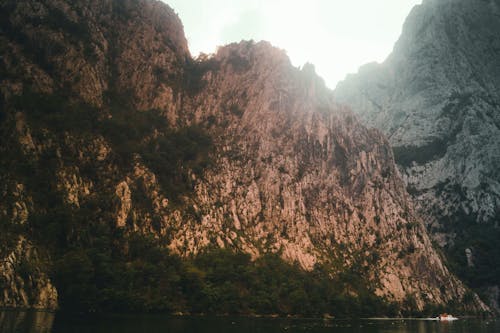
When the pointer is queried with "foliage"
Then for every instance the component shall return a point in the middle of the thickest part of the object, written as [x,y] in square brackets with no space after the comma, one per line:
[59,21]
[56,112]
[190,79]
[149,279]
[406,155]
[42,48]
[8,236]
[483,241]
[238,62]
[172,154]
[193,81]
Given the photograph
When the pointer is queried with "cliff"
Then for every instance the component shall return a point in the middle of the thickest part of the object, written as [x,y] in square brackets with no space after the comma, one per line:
[436,98]
[113,130]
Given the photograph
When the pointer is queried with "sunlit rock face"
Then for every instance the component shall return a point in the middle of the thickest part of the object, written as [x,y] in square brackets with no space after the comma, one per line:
[290,172]
[437,99]
[297,174]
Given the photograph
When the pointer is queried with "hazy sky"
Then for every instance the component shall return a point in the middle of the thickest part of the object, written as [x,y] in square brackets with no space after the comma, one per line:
[337,36]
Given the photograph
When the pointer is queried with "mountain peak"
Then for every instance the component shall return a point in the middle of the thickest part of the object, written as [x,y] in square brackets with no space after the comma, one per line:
[437,99]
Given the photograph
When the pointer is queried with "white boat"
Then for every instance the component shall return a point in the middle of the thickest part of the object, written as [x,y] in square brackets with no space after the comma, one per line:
[446,317]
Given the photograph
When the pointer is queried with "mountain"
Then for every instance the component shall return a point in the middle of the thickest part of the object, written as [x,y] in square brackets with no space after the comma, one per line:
[127,165]
[437,99]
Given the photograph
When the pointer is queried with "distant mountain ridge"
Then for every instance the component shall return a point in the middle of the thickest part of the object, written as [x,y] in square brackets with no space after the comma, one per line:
[437,98]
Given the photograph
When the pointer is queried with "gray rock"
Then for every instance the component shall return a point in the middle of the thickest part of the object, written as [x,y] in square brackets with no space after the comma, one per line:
[437,98]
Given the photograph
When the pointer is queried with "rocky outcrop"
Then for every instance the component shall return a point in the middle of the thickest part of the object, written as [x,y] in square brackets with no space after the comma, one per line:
[436,97]
[269,163]
[80,45]
[24,282]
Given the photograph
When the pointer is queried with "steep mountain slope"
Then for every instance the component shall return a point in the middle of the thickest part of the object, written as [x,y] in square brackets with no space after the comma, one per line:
[113,131]
[437,98]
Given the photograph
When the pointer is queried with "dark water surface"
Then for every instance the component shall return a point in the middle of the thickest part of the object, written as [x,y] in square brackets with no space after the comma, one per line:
[42,322]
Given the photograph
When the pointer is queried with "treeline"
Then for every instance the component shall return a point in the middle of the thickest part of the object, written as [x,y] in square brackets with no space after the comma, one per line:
[483,242]
[147,278]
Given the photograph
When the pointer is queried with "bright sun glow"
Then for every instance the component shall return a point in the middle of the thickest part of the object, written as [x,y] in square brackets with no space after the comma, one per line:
[337,36]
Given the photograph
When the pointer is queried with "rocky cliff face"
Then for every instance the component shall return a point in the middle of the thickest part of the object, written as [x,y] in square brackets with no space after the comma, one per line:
[25,282]
[437,99]
[111,123]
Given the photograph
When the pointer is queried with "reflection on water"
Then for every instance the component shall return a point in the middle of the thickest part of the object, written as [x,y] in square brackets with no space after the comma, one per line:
[42,322]
[26,321]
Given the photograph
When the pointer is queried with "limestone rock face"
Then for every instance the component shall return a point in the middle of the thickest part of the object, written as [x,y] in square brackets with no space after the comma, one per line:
[437,99]
[80,45]
[24,282]
[291,171]
[298,174]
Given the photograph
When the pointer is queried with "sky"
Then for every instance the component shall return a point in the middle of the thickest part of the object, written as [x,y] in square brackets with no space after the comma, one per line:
[336,36]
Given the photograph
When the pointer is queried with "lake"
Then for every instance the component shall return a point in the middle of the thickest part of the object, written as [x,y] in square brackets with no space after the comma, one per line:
[42,322]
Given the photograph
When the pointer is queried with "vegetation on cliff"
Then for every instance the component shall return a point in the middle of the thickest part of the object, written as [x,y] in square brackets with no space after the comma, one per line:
[119,146]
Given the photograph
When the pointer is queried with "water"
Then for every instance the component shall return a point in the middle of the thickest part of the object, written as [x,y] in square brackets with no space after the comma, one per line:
[42,322]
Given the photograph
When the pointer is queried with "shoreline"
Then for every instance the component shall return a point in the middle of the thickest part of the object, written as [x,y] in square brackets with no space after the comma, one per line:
[325,317]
